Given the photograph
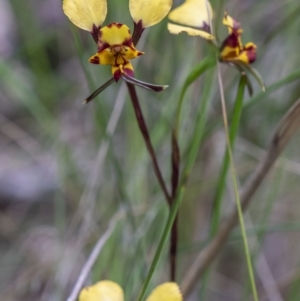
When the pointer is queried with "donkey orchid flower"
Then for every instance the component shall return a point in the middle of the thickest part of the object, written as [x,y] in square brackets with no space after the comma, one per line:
[232,49]
[198,14]
[111,291]
[115,44]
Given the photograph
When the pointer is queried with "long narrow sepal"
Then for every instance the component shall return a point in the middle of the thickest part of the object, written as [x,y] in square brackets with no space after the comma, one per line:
[255,74]
[136,82]
[99,90]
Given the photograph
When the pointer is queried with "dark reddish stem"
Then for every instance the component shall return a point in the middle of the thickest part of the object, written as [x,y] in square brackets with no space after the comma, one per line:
[146,136]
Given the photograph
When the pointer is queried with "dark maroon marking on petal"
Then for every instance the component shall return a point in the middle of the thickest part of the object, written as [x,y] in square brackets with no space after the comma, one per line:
[128,42]
[95,32]
[230,56]
[117,75]
[102,46]
[236,24]
[99,35]
[114,24]
[94,60]
[137,32]
[251,53]
[118,56]
[231,41]
[128,72]
[205,27]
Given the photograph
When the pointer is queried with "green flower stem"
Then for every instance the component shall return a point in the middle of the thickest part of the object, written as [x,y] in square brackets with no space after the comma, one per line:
[144,130]
[163,240]
[217,204]
[173,249]
[237,110]
[236,191]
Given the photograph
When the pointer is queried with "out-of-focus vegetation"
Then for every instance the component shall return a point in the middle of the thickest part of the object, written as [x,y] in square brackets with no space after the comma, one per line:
[67,168]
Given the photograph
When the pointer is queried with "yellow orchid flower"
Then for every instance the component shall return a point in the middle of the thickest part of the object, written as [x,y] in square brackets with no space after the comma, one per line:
[110,291]
[232,48]
[198,13]
[115,44]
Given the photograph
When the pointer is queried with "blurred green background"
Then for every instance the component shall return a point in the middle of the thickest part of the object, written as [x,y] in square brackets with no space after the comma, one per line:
[67,168]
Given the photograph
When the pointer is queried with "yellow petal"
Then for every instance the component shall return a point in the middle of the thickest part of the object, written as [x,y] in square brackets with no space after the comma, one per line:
[168,291]
[85,13]
[105,57]
[248,54]
[176,29]
[102,291]
[150,12]
[229,53]
[114,34]
[192,13]
[232,24]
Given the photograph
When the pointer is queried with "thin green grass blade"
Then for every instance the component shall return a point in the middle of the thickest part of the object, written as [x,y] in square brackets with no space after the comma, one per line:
[217,204]
[237,110]
[79,49]
[28,98]
[163,240]
[260,96]
[283,25]
[199,129]
[271,88]
[204,65]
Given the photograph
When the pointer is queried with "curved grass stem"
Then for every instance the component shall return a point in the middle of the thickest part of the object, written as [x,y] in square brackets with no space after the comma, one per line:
[237,110]
[235,187]
[162,242]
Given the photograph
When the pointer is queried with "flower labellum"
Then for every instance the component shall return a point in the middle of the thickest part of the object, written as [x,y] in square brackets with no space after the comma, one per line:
[115,48]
